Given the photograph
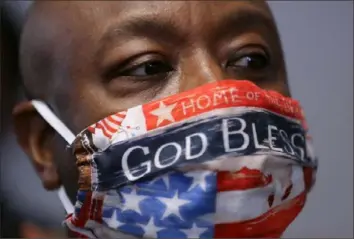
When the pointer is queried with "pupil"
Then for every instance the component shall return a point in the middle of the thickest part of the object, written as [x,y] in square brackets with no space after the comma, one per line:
[256,62]
[155,67]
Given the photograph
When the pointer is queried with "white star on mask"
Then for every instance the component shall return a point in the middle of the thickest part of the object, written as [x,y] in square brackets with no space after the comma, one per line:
[173,205]
[132,201]
[150,229]
[199,179]
[194,232]
[164,113]
[164,178]
[113,222]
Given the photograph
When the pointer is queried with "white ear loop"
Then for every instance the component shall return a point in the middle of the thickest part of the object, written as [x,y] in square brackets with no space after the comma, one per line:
[54,121]
[69,137]
[63,197]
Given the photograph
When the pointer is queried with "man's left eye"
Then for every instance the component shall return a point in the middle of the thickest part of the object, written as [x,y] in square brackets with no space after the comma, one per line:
[252,61]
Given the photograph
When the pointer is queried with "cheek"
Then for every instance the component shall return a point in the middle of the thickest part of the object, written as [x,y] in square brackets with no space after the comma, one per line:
[95,105]
[280,84]
[86,107]
[282,87]
[171,88]
[277,87]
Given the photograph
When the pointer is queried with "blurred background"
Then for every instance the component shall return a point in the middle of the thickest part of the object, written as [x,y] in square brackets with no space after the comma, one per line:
[317,38]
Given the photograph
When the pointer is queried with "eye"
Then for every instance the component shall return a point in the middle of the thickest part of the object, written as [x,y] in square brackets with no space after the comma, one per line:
[148,68]
[251,61]
[146,74]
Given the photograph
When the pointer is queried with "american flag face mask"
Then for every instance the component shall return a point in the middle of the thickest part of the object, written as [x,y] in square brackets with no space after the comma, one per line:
[223,160]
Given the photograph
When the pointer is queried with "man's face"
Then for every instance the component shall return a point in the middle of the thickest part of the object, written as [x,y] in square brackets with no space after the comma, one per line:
[110,56]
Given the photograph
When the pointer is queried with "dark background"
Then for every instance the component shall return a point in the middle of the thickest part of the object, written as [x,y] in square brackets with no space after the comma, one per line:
[9,82]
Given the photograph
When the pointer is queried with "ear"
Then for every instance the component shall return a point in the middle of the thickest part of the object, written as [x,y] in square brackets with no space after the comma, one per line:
[36,138]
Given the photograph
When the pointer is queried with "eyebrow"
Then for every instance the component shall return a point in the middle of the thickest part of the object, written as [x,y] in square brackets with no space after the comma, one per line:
[243,20]
[167,32]
[164,30]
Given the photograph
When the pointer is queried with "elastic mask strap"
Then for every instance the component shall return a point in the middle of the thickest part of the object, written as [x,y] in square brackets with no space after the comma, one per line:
[64,132]
[54,121]
[63,197]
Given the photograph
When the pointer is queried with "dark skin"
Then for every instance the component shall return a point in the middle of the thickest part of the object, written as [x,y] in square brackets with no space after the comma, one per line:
[88,59]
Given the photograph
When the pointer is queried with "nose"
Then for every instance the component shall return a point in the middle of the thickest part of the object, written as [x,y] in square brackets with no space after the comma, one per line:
[199,68]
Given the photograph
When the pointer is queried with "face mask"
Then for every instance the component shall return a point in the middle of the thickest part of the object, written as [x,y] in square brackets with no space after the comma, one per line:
[223,160]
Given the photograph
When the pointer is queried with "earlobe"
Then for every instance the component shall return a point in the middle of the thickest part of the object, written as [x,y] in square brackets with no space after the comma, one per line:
[36,138]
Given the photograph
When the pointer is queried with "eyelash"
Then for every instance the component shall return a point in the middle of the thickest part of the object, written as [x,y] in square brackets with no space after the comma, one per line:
[152,64]
[161,68]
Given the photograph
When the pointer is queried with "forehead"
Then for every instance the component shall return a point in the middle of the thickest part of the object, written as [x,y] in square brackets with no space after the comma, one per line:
[105,10]
[104,19]
[83,29]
